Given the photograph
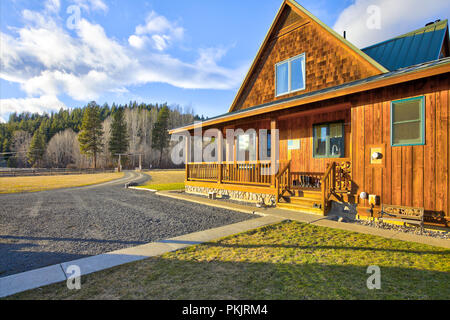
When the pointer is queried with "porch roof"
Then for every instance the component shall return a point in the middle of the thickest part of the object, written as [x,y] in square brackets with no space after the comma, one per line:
[415,72]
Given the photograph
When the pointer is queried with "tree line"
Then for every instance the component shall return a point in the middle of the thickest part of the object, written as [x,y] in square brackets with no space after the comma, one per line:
[92,136]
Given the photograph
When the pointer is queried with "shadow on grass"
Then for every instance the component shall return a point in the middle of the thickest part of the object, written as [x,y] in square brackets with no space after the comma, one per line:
[170,278]
[444,253]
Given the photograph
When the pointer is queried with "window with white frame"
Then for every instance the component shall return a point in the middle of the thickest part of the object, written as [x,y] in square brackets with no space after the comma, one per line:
[290,75]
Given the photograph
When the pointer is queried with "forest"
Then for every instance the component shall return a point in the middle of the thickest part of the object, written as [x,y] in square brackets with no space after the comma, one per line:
[92,136]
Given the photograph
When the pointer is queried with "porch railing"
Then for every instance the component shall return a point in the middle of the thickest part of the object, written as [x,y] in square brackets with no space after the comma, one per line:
[305,180]
[203,171]
[248,172]
[242,172]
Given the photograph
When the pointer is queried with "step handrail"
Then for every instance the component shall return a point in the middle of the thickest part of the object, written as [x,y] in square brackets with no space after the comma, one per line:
[278,177]
[327,186]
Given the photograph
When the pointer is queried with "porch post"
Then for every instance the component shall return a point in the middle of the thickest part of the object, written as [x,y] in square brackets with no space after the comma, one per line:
[187,154]
[219,154]
[273,150]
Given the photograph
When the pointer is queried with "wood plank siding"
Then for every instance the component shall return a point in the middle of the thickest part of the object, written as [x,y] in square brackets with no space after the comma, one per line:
[301,128]
[412,175]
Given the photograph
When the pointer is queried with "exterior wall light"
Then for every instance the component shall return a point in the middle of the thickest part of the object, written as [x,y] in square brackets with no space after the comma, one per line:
[363,195]
[376,155]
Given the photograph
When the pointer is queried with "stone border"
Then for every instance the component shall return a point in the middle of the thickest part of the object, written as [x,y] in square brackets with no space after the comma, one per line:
[244,196]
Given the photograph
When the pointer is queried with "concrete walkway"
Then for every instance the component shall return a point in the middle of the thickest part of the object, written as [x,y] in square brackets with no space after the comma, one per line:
[310,218]
[57,273]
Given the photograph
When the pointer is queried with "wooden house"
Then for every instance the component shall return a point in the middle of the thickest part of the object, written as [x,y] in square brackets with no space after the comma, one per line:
[351,122]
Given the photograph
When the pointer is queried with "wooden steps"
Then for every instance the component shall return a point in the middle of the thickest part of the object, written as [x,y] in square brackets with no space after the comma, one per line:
[308,201]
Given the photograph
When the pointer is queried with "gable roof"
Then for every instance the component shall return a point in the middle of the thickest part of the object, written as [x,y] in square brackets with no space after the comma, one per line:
[299,9]
[419,46]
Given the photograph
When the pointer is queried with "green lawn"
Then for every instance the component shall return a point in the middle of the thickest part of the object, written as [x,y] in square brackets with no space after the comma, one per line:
[290,260]
[163,186]
[165,180]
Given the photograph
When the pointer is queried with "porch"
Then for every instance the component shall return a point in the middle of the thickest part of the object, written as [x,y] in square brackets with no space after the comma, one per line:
[304,191]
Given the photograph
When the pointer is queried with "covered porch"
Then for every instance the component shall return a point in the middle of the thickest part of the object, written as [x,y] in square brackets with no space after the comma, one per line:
[301,161]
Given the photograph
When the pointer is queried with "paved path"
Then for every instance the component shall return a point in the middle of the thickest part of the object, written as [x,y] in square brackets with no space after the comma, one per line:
[50,227]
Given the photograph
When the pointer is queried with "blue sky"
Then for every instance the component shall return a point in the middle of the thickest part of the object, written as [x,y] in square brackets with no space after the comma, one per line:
[193,53]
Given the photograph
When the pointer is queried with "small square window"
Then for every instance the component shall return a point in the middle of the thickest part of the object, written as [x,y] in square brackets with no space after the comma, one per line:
[407,122]
[328,140]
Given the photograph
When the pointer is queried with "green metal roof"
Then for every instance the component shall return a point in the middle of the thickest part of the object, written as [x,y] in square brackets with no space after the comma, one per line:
[419,46]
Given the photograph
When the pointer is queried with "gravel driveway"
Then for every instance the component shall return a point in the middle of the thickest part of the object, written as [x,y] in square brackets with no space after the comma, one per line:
[49,227]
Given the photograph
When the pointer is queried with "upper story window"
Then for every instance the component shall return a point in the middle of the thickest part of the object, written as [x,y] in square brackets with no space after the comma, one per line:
[290,75]
[407,122]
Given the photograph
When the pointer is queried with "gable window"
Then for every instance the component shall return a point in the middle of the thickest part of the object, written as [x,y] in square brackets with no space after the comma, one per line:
[328,140]
[290,75]
[407,122]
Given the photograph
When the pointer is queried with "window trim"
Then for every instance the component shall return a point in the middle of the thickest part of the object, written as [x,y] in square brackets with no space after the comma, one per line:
[327,147]
[422,120]
[288,61]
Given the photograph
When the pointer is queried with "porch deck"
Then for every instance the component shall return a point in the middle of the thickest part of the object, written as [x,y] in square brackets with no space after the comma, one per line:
[315,188]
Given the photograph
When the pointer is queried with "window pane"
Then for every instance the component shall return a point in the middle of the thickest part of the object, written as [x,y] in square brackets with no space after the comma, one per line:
[320,140]
[336,140]
[408,110]
[406,133]
[336,130]
[282,78]
[297,68]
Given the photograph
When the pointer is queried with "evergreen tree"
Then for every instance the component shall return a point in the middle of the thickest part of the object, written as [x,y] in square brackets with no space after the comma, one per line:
[37,147]
[91,134]
[119,140]
[160,133]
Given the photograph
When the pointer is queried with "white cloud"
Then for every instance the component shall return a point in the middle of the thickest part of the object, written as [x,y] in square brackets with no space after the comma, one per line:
[92,5]
[48,60]
[53,5]
[397,17]
[158,31]
[41,104]
[136,41]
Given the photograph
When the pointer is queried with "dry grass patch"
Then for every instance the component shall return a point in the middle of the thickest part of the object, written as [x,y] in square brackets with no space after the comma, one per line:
[40,183]
[290,260]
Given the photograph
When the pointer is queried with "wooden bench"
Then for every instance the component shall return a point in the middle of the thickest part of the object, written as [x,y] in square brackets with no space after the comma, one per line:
[403,214]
